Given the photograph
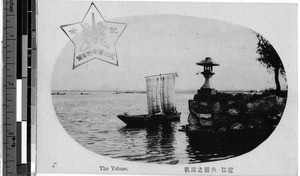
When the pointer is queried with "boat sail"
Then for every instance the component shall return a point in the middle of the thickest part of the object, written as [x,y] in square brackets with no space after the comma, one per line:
[160,100]
[160,93]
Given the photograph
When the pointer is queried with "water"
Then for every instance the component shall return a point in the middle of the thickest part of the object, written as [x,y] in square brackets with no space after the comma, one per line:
[92,121]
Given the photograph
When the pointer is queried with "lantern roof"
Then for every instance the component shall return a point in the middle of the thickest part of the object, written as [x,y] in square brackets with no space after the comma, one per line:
[207,62]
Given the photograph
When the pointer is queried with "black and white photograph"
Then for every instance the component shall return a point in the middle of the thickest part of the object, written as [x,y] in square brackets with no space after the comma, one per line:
[145,89]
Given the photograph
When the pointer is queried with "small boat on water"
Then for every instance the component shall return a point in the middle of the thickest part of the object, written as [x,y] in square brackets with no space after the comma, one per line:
[58,93]
[160,101]
[84,93]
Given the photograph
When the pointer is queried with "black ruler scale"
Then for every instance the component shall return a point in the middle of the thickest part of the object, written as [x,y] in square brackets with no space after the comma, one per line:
[19,87]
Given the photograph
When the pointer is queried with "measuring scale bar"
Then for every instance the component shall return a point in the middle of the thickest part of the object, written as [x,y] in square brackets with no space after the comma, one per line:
[19,52]
[9,88]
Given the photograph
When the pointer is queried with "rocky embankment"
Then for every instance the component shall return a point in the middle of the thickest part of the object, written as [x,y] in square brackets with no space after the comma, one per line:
[228,113]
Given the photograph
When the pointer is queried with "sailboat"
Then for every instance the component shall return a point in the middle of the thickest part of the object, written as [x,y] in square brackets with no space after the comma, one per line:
[160,100]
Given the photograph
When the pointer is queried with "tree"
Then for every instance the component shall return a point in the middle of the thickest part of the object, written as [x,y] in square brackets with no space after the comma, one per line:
[270,59]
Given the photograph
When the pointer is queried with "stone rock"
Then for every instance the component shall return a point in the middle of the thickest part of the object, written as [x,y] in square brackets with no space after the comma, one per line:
[233,112]
[205,123]
[217,108]
[195,107]
[230,102]
[192,128]
[204,103]
[237,126]
[223,129]
[273,99]
[270,105]
[193,123]
[204,116]
[251,107]
[223,112]
[192,120]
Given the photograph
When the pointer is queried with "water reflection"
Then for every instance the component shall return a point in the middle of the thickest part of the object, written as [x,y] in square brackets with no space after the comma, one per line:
[204,147]
[159,143]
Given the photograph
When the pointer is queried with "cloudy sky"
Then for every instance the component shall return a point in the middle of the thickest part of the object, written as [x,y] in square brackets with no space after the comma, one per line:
[168,43]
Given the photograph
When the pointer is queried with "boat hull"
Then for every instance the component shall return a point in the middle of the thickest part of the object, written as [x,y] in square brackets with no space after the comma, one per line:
[148,120]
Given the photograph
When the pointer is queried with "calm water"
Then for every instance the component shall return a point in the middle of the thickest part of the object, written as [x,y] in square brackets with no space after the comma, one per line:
[92,121]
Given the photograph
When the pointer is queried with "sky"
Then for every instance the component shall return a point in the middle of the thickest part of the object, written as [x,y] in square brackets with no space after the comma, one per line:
[157,44]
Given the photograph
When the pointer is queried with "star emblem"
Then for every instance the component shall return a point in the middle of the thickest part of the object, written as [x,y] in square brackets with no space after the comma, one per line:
[94,38]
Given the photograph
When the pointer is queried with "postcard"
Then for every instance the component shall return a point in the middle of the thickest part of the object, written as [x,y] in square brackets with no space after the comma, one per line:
[166,88]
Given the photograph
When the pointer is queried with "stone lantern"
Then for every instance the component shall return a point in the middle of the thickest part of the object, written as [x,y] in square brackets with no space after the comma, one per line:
[208,64]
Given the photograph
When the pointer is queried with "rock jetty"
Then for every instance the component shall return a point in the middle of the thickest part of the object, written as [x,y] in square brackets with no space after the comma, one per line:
[223,112]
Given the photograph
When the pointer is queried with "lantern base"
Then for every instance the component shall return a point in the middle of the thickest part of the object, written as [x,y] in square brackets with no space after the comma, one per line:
[206,91]
[205,94]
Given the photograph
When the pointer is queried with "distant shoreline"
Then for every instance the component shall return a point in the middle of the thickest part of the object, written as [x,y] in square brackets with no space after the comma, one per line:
[142,92]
